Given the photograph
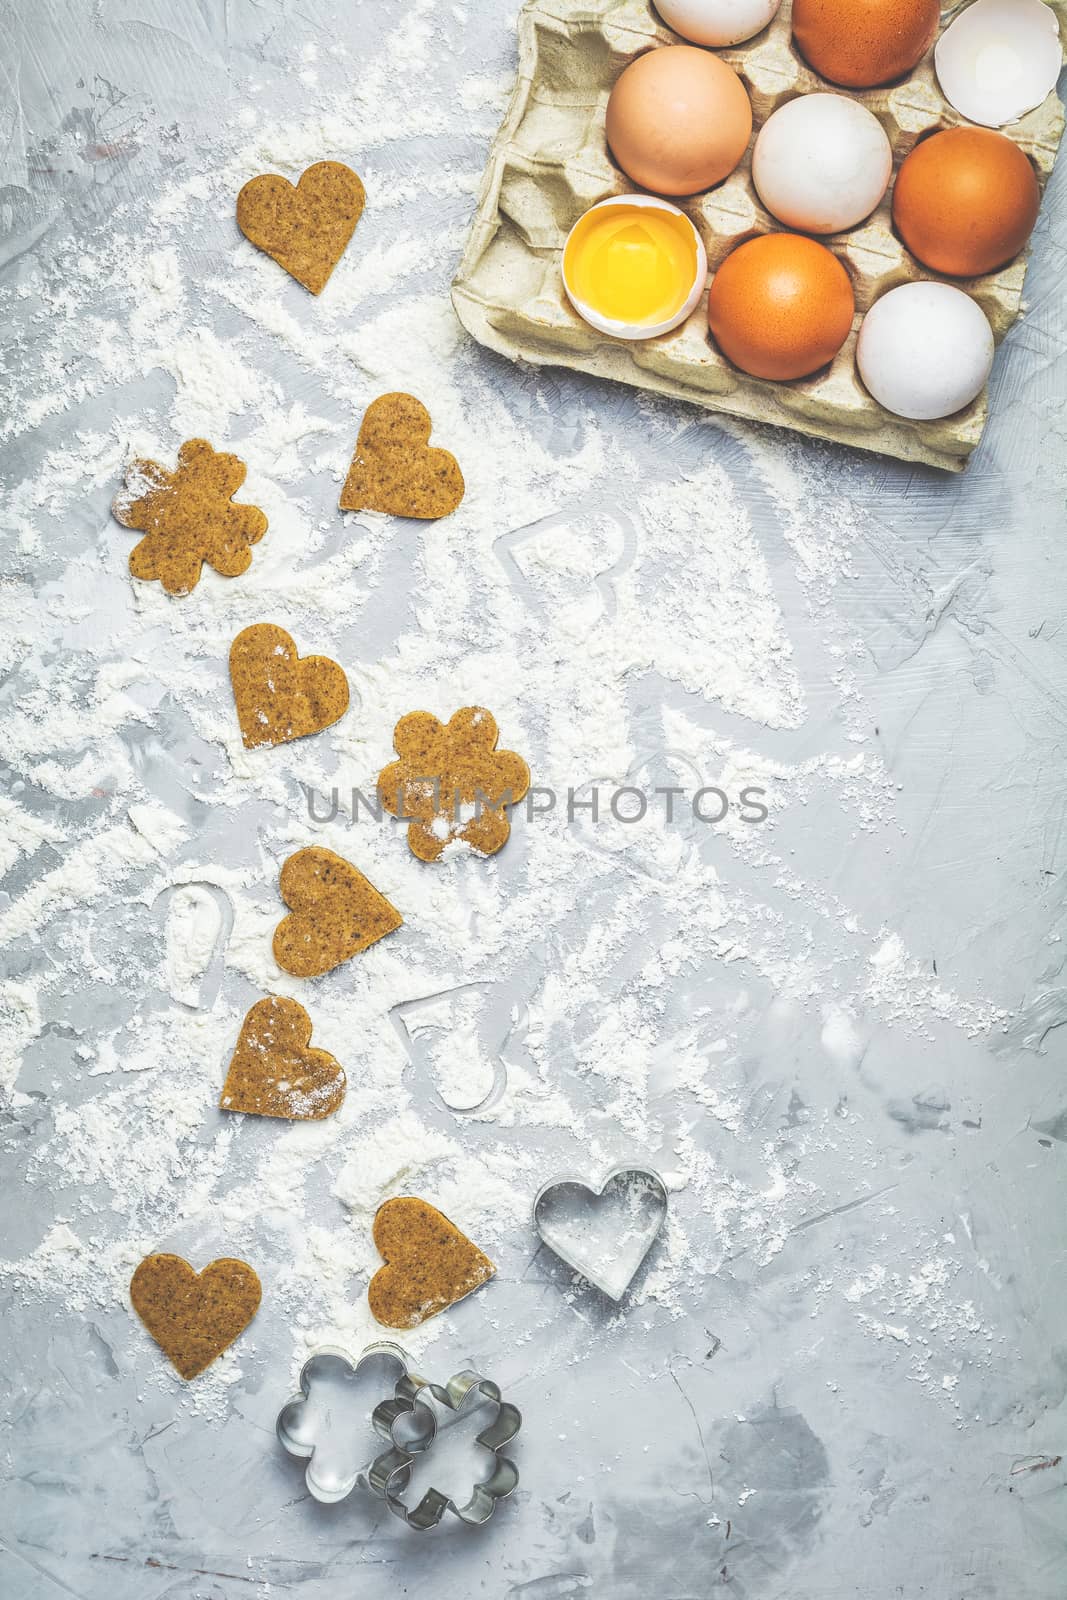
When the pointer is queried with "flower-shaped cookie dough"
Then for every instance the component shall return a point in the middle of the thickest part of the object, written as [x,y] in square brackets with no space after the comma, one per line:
[452,783]
[188,517]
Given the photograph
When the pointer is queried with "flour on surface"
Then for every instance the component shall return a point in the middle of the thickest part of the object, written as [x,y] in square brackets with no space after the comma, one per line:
[601,992]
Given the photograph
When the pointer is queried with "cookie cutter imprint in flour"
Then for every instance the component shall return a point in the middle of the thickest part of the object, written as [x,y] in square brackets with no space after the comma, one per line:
[308,1425]
[603,1232]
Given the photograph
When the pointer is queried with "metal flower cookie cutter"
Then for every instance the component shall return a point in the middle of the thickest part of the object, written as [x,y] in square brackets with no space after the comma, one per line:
[337,1424]
[462,1395]
[604,1233]
[331,1426]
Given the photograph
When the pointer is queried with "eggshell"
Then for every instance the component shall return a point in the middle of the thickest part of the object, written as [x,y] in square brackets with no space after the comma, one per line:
[678,120]
[822,162]
[781,306]
[925,351]
[861,43]
[999,60]
[717,22]
[966,201]
[617,327]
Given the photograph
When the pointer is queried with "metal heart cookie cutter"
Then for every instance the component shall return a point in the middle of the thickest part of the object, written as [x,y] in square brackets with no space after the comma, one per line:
[331,1426]
[603,1233]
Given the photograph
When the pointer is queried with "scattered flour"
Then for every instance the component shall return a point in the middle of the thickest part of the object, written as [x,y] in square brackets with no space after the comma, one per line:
[623,626]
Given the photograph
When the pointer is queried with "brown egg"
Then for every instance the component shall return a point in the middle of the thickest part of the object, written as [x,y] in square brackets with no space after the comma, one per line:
[678,120]
[966,201]
[860,43]
[781,306]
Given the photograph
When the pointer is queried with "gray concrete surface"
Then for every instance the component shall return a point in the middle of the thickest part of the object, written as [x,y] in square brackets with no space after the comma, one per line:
[778,1436]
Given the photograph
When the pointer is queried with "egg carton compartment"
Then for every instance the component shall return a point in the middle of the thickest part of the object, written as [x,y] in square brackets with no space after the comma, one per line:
[550,163]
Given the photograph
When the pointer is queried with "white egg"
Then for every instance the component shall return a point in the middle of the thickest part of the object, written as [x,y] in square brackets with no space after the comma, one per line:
[999,60]
[925,351]
[822,162]
[717,22]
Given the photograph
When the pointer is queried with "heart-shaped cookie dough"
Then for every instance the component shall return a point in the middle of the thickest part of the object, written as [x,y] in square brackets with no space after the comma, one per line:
[336,913]
[395,469]
[429,1263]
[305,227]
[273,1073]
[279,694]
[192,1315]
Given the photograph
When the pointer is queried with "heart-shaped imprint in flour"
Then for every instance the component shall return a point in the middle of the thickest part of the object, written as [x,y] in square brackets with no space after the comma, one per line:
[395,469]
[429,1263]
[604,1233]
[336,913]
[192,1315]
[280,695]
[305,226]
[273,1073]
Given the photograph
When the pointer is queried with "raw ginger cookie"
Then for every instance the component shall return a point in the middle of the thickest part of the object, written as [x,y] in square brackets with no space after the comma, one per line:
[429,1264]
[274,1073]
[279,694]
[395,469]
[304,226]
[451,782]
[335,913]
[188,517]
[193,1316]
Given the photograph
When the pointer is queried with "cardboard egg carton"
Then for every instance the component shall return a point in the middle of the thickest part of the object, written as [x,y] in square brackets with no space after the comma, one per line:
[550,163]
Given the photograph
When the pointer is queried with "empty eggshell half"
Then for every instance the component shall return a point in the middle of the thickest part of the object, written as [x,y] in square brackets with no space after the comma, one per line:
[634,266]
[718,22]
[925,351]
[999,60]
[822,163]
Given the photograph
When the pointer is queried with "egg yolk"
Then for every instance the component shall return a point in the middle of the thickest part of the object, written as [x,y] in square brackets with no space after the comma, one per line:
[632,263]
